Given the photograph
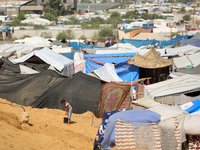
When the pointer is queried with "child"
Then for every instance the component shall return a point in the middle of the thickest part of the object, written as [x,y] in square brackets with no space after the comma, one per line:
[68,109]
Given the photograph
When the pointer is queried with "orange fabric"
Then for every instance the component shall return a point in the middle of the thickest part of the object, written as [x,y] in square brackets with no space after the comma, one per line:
[134,33]
[144,31]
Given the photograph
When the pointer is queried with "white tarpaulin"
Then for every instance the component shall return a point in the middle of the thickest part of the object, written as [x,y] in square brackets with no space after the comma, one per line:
[18,50]
[183,84]
[108,73]
[38,41]
[188,49]
[48,56]
[188,60]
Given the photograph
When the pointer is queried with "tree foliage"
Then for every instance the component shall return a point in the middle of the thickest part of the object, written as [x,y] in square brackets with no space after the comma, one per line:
[50,17]
[69,34]
[54,7]
[105,32]
[186,17]
[21,16]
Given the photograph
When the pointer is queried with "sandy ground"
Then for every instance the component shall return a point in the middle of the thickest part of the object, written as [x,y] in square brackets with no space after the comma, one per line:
[45,130]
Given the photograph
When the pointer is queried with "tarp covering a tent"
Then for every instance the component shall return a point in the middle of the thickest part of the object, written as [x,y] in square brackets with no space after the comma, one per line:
[194,42]
[38,41]
[108,73]
[196,36]
[125,71]
[184,84]
[46,89]
[188,49]
[188,60]
[150,60]
[78,46]
[48,56]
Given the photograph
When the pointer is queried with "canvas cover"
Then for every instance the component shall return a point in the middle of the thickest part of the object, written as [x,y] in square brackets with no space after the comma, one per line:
[194,42]
[46,89]
[39,41]
[114,96]
[150,60]
[184,50]
[108,73]
[7,50]
[188,60]
[48,56]
[184,84]
[196,36]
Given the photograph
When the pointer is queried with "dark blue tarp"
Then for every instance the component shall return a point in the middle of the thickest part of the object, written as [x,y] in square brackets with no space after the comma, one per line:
[123,69]
[69,55]
[194,42]
[77,46]
[134,116]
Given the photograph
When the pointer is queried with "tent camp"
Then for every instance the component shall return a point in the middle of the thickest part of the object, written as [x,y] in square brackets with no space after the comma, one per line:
[62,64]
[152,65]
[184,50]
[107,73]
[47,88]
[175,91]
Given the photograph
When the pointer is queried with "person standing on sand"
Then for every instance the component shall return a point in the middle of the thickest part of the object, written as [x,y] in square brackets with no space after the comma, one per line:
[68,109]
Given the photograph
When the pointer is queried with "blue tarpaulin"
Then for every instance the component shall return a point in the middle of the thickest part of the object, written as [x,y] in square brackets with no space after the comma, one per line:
[194,106]
[162,44]
[124,70]
[82,19]
[77,46]
[69,55]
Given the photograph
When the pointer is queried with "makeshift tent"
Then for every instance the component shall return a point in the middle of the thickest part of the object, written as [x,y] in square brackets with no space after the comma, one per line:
[39,41]
[184,50]
[193,70]
[194,42]
[78,46]
[152,65]
[114,96]
[124,70]
[61,63]
[47,88]
[196,36]
[107,73]
[188,60]
[135,116]
[170,91]
[16,51]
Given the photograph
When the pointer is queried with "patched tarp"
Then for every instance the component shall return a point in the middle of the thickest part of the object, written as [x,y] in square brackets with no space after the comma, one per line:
[46,89]
[150,60]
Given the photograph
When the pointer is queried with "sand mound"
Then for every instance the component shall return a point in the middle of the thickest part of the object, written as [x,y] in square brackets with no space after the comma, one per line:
[46,129]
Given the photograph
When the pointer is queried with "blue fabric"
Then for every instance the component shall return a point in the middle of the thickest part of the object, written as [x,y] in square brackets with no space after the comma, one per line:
[82,19]
[134,116]
[68,55]
[194,42]
[77,46]
[123,69]
[100,133]
[162,44]
[195,107]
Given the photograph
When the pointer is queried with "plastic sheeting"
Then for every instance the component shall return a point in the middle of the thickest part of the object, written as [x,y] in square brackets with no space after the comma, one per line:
[78,46]
[194,42]
[48,56]
[125,71]
[192,107]
[108,73]
[188,60]
[187,83]
[39,41]
[188,49]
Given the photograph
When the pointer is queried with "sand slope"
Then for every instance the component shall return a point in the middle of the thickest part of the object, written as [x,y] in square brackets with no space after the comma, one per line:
[46,129]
